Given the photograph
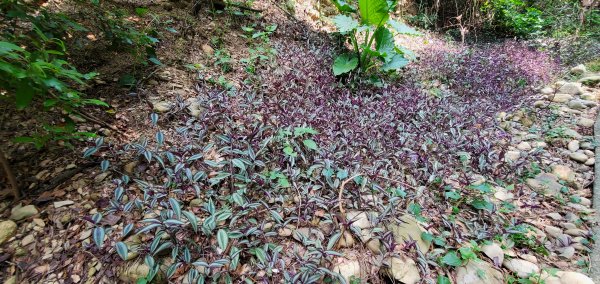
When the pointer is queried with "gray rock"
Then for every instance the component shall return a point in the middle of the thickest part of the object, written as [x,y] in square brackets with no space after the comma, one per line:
[569,277]
[579,157]
[585,122]
[547,91]
[579,69]
[512,156]
[162,106]
[99,178]
[20,213]
[29,239]
[8,229]
[571,88]
[590,80]
[409,230]
[555,216]
[522,268]
[545,182]
[567,252]
[553,231]
[478,272]
[348,269]
[403,269]
[590,162]
[564,172]
[524,146]
[573,146]
[59,204]
[577,104]
[561,98]
[494,252]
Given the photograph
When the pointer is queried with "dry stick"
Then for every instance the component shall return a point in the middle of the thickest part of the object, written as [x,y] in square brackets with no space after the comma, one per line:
[9,175]
[96,120]
[340,201]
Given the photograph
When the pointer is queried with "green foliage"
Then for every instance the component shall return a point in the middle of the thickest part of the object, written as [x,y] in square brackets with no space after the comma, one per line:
[34,68]
[372,22]
[516,17]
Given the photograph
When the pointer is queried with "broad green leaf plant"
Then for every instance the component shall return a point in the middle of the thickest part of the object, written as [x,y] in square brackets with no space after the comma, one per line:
[371,22]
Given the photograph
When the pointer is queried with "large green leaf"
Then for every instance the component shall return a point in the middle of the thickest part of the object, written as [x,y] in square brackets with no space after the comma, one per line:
[402,28]
[373,12]
[398,61]
[345,23]
[344,64]
[24,95]
[344,6]
[384,43]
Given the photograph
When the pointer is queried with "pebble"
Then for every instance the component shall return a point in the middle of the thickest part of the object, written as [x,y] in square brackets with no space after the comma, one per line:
[555,216]
[570,277]
[564,172]
[579,157]
[576,232]
[573,146]
[553,231]
[59,204]
[561,98]
[20,213]
[571,88]
[522,268]
[27,240]
[494,252]
[8,229]
[585,122]
[524,146]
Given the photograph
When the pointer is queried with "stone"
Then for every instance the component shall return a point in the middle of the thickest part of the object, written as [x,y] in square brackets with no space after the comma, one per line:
[404,269]
[99,178]
[553,231]
[130,167]
[284,232]
[11,280]
[561,98]
[585,122]
[524,146]
[572,133]
[555,216]
[27,240]
[522,268]
[576,232]
[348,269]
[138,270]
[162,106]
[529,257]
[195,108]
[590,162]
[346,240]
[409,230]
[494,252]
[503,194]
[579,157]
[478,272]
[207,49]
[573,146]
[564,172]
[571,88]
[545,182]
[8,229]
[358,219]
[571,277]
[576,104]
[590,80]
[512,156]
[39,222]
[547,91]
[59,204]
[20,213]
[539,104]
[579,69]
[567,252]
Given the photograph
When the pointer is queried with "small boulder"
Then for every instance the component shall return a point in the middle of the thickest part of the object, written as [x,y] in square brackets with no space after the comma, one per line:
[409,230]
[403,269]
[585,122]
[579,69]
[8,229]
[162,106]
[22,212]
[494,252]
[564,172]
[579,157]
[348,269]
[571,88]
[547,183]
[478,272]
[570,277]
[522,268]
[573,146]
[561,98]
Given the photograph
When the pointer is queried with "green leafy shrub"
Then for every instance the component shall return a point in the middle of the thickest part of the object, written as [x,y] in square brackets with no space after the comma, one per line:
[33,67]
[376,26]
[516,17]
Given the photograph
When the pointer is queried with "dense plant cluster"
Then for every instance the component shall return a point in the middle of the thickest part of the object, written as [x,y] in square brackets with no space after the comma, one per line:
[376,27]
